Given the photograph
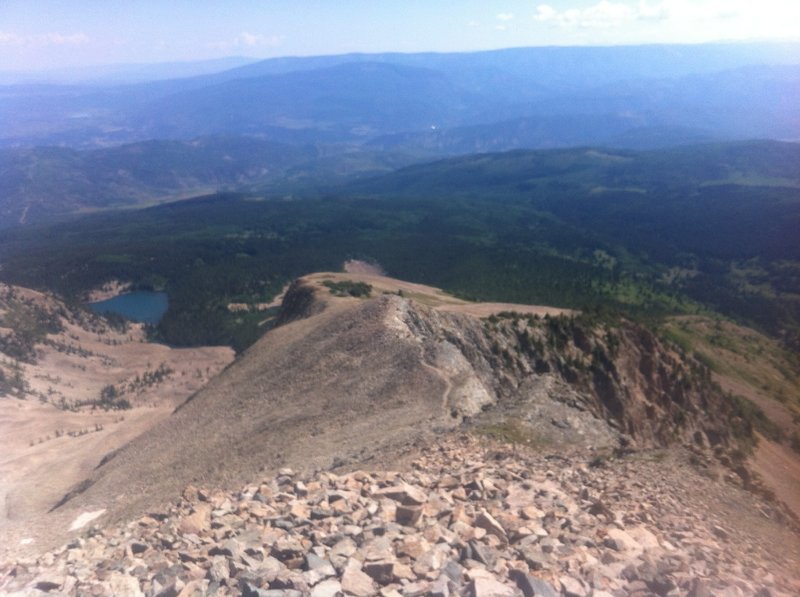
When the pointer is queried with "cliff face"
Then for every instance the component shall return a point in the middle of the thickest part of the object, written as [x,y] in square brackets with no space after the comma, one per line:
[621,373]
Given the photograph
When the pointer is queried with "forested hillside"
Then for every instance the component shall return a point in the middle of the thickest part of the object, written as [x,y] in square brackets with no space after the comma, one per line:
[644,233]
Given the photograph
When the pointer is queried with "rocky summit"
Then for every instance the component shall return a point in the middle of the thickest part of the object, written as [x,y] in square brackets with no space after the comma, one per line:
[467,515]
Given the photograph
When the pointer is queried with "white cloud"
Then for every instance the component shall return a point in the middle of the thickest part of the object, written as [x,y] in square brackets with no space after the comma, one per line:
[8,38]
[601,15]
[545,12]
[505,16]
[249,40]
[253,40]
[610,13]
[75,39]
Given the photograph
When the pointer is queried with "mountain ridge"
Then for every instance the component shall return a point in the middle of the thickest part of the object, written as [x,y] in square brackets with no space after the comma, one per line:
[360,377]
[491,449]
[676,86]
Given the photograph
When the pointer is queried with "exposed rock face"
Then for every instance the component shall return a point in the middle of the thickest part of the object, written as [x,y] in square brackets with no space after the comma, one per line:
[491,522]
[622,373]
[342,380]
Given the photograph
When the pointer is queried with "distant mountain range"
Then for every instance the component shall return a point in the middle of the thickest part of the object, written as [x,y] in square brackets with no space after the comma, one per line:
[647,96]
[67,148]
[119,74]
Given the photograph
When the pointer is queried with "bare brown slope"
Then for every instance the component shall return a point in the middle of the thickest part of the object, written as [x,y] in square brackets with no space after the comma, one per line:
[330,385]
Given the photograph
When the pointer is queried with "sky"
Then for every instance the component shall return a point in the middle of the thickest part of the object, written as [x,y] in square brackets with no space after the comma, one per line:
[51,34]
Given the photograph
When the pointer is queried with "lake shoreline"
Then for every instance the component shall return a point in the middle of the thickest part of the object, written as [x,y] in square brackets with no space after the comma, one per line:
[141,306]
[109,290]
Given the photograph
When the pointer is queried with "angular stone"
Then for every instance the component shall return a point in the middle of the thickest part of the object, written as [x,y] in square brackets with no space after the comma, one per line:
[700,588]
[327,588]
[532,586]
[408,515]
[300,510]
[379,548]
[319,565]
[288,548]
[619,540]
[219,570]
[488,587]
[356,582]
[454,571]
[123,584]
[432,560]
[440,587]
[487,521]
[413,546]
[341,552]
[572,587]
[403,572]
[198,521]
[381,572]
[404,493]
[535,558]
[483,554]
[195,588]
[230,548]
[137,548]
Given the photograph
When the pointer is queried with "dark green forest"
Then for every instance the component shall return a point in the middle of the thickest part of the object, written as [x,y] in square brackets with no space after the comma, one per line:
[645,234]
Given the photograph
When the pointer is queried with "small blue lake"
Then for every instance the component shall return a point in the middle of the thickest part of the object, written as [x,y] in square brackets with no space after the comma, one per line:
[147,307]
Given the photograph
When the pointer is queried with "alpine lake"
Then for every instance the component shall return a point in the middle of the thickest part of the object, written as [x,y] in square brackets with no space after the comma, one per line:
[142,306]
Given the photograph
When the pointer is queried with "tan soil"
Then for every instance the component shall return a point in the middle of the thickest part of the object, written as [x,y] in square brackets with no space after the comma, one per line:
[487,309]
[107,291]
[779,467]
[433,297]
[40,461]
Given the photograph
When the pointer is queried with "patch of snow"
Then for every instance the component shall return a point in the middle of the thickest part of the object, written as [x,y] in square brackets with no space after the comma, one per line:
[85,518]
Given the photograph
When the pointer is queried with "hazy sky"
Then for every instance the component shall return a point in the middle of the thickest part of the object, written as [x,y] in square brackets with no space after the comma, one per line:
[37,34]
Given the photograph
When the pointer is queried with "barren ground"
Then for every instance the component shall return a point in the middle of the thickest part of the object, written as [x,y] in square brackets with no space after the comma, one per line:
[428,295]
[107,291]
[780,469]
[47,449]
